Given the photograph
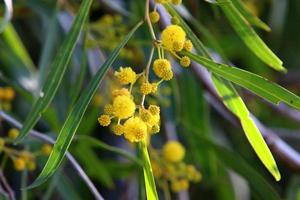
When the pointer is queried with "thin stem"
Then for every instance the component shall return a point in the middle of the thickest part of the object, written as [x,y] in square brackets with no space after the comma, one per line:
[69,156]
[147,18]
[149,63]
[9,190]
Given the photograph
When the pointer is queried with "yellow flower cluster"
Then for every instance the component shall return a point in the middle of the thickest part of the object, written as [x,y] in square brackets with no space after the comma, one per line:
[173,39]
[168,166]
[21,159]
[7,94]
[134,122]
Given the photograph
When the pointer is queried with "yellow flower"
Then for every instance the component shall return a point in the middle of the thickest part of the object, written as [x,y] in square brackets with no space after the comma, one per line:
[179,185]
[154,87]
[19,164]
[146,88]
[118,129]
[185,61]
[126,75]
[121,92]
[13,133]
[154,17]
[123,107]
[154,110]
[178,45]
[173,151]
[171,34]
[162,69]
[8,94]
[46,149]
[135,130]
[188,45]
[145,115]
[193,174]
[104,120]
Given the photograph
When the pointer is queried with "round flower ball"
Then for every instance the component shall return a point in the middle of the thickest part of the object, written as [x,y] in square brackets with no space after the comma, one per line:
[173,151]
[172,36]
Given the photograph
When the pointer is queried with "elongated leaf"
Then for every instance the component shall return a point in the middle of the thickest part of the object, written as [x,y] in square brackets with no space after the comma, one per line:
[148,175]
[226,90]
[255,83]
[75,116]
[248,35]
[236,104]
[252,19]
[57,70]
[15,43]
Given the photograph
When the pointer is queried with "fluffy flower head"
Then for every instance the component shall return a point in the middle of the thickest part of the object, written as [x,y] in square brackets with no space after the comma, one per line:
[123,107]
[135,130]
[172,34]
[126,75]
[173,151]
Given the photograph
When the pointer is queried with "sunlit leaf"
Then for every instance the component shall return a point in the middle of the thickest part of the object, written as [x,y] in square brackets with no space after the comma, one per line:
[253,82]
[234,102]
[148,175]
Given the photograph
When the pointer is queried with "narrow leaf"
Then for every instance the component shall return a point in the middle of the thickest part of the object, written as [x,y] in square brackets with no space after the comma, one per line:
[255,83]
[251,18]
[236,104]
[148,175]
[249,36]
[57,71]
[75,116]
[15,43]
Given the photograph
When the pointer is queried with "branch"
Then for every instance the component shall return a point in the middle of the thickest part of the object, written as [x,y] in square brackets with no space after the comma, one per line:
[72,160]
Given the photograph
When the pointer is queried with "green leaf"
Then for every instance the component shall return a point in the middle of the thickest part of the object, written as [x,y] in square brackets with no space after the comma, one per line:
[57,70]
[75,116]
[15,43]
[148,175]
[255,83]
[249,36]
[252,19]
[234,102]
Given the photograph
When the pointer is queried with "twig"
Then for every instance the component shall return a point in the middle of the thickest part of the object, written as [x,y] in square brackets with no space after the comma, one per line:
[9,190]
[147,19]
[72,160]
